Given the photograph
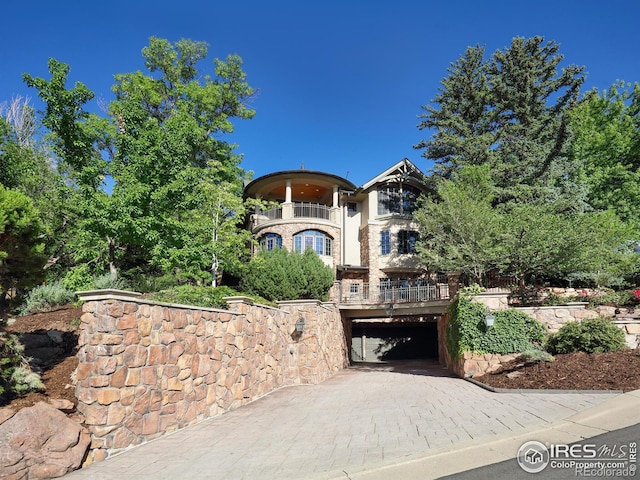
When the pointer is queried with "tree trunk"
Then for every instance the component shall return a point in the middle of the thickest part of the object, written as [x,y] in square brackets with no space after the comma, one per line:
[113,271]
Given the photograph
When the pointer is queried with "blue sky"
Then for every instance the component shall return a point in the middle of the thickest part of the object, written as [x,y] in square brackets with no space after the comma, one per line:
[339,83]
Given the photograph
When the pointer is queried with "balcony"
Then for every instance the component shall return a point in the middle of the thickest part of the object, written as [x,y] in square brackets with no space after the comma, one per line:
[363,293]
[295,210]
[311,210]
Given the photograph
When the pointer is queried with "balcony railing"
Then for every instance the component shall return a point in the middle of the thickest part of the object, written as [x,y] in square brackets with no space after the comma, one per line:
[272,214]
[310,210]
[299,210]
[363,293]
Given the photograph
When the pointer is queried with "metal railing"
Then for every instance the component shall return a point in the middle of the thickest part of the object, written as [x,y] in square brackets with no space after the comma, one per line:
[364,293]
[310,210]
[274,213]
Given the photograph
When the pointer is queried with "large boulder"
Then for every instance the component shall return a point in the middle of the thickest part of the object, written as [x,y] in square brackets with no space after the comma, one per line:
[40,442]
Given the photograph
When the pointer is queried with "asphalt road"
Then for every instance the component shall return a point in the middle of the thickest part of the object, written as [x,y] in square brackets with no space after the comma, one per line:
[618,442]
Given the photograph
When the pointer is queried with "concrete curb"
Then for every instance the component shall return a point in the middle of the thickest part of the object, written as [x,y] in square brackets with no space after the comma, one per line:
[533,390]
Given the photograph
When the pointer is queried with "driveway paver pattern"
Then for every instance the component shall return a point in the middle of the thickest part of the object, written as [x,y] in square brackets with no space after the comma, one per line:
[363,417]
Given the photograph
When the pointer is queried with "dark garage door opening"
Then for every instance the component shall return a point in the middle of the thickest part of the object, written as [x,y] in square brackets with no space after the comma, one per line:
[376,342]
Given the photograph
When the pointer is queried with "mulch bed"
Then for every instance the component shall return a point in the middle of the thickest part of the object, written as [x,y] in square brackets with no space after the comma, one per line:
[571,371]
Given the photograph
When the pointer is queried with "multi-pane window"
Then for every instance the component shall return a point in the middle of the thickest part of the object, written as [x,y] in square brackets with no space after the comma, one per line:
[314,239]
[397,198]
[269,241]
[407,240]
[385,242]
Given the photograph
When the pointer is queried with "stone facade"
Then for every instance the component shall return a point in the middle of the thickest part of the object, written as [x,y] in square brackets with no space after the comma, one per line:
[555,317]
[288,228]
[146,369]
[477,364]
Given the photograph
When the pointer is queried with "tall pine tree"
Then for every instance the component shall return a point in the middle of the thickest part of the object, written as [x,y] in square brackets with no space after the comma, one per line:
[510,111]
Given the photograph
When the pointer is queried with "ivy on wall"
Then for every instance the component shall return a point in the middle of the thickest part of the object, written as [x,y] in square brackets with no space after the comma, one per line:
[513,331]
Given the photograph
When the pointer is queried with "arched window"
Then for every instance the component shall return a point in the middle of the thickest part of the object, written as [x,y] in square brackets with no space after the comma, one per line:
[315,239]
[269,241]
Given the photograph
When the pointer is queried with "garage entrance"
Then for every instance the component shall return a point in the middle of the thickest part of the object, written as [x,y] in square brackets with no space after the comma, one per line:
[380,342]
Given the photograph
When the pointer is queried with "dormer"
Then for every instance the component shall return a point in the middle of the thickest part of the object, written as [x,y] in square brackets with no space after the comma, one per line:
[395,191]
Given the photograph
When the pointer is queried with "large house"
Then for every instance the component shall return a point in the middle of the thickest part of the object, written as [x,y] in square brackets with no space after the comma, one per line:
[367,234]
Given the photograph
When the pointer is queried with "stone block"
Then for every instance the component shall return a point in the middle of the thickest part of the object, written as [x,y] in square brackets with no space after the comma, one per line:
[167,326]
[157,315]
[127,395]
[106,396]
[149,375]
[135,356]
[119,377]
[105,339]
[133,377]
[99,381]
[144,326]
[124,438]
[127,322]
[95,415]
[174,384]
[157,355]
[131,337]
[116,309]
[178,317]
[167,338]
[83,370]
[168,422]
[134,423]
[175,352]
[116,413]
[150,423]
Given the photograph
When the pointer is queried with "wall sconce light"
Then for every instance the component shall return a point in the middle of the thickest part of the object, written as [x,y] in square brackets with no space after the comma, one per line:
[389,310]
[489,319]
[300,325]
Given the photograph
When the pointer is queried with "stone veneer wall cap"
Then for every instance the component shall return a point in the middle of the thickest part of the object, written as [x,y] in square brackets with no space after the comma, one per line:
[568,306]
[239,299]
[284,303]
[107,294]
[249,301]
[125,296]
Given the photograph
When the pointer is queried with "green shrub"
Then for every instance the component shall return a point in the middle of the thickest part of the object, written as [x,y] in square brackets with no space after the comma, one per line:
[197,296]
[104,282]
[282,275]
[592,336]
[513,331]
[211,297]
[15,374]
[78,278]
[46,297]
[536,356]
[144,283]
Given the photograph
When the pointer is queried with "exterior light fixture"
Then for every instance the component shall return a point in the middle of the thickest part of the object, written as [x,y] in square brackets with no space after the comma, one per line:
[489,319]
[300,325]
[389,310]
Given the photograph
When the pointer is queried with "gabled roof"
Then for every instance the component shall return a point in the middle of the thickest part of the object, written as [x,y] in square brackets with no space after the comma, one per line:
[402,171]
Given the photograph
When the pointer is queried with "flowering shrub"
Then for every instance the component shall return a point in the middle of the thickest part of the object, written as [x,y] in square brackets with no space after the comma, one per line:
[636,294]
[525,295]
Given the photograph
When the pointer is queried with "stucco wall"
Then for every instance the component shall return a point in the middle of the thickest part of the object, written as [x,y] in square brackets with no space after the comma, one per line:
[146,369]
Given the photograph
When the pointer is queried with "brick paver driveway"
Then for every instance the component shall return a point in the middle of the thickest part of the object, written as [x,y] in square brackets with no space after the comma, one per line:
[363,417]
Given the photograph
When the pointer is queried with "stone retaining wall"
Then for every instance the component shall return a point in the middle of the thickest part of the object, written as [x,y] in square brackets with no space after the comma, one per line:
[147,368]
[476,364]
[555,317]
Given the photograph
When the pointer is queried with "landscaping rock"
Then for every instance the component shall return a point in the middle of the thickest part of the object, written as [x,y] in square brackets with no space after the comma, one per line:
[41,442]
